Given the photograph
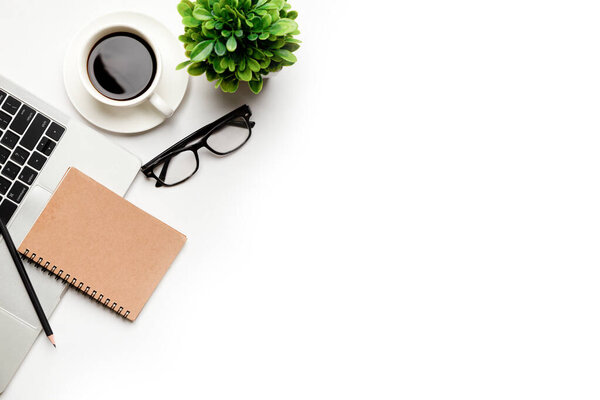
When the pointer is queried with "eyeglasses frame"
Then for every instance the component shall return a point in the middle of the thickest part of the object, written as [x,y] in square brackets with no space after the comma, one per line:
[200,140]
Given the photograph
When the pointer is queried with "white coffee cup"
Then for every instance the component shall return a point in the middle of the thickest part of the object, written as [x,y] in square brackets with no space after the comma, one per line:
[149,95]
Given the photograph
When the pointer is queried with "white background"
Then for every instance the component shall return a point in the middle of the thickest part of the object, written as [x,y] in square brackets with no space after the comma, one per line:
[416,217]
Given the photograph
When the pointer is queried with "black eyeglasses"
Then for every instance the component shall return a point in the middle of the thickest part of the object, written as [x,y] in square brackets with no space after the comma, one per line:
[222,137]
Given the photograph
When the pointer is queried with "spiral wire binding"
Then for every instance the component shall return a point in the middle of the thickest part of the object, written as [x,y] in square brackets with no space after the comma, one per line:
[72,281]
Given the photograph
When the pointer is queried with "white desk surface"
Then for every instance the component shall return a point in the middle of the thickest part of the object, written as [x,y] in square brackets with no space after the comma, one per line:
[417,215]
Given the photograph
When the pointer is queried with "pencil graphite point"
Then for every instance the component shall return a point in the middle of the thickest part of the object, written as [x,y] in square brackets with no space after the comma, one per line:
[51,338]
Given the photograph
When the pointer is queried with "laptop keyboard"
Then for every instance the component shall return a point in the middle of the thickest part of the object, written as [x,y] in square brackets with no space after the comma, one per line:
[27,139]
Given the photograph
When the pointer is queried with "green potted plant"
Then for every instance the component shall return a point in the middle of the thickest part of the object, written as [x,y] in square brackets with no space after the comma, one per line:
[238,40]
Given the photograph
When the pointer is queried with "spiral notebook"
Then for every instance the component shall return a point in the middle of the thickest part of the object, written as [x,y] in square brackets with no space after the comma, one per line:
[102,245]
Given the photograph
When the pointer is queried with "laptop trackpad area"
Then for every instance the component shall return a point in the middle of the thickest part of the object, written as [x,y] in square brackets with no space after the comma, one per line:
[14,300]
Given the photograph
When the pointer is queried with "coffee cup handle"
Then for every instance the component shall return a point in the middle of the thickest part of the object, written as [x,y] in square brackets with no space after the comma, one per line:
[161,105]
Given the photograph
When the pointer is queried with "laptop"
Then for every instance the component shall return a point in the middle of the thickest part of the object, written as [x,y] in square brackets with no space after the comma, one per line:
[37,145]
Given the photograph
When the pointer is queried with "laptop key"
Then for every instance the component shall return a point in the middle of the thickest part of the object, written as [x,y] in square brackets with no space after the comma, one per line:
[11,105]
[17,192]
[36,160]
[55,131]
[27,175]
[35,132]
[11,170]
[2,96]
[4,185]
[4,119]
[7,209]
[46,146]
[9,139]
[22,120]
[20,155]
[4,154]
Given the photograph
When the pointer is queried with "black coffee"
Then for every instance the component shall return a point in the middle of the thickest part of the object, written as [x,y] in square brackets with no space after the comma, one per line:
[121,66]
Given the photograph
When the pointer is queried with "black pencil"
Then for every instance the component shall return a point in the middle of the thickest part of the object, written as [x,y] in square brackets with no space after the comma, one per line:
[28,286]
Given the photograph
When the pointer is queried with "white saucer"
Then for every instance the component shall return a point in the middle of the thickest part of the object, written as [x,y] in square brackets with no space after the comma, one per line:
[171,88]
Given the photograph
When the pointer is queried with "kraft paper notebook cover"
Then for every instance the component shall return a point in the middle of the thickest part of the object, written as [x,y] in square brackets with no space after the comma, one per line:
[102,245]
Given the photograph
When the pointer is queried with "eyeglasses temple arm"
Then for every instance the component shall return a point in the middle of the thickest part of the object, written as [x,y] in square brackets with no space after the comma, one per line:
[163,173]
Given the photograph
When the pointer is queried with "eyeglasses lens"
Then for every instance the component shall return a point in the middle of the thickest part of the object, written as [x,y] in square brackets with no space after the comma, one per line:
[230,136]
[178,168]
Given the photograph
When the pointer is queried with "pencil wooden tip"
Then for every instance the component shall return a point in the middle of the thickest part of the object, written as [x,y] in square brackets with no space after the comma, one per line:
[51,338]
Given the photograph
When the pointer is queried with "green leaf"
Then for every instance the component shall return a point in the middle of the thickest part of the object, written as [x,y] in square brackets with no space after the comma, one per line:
[273,5]
[283,27]
[264,36]
[253,65]
[202,51]
[183,65]
[252,37]
[291,46]
[239,33]
[261,2]
[202,14]
[286,55]
[220,48]
[245,75]
[279,43]
[190,21]
[258,55]
[274,15]
[230,85]
[218,68]
[184,9]
[211,75]
[197,69]
[231,64]
[209,24]
[208,34]
[217,9]
[231,43]
[265,63]
[292,15]
[225,33]
[223,63]
[256,86]
[265,21]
